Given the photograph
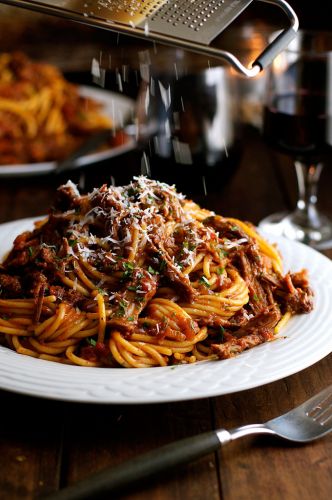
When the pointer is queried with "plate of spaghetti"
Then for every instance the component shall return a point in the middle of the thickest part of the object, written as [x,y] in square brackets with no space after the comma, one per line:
[135,294]
[44,118]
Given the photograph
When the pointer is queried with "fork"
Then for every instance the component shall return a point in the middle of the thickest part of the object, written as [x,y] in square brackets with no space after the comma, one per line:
[91,144]
[307,422]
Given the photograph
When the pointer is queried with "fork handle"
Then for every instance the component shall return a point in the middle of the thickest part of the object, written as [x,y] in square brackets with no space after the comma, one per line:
[147,465]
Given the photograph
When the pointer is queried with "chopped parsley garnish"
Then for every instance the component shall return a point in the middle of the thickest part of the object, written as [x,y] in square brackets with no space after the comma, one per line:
[204,281]
[131,318]
[189,245]
[132,288]
[255,297]
[220,270]
[152,271]
[122,308]
[128,265]
[128,270]
[72,243]
[91,341]
[131,192]
[221,334]
[162,266]
[30,251]
[223,253]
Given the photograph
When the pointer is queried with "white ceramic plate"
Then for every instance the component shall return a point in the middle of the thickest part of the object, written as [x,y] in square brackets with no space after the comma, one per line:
[118,107]
[305,340]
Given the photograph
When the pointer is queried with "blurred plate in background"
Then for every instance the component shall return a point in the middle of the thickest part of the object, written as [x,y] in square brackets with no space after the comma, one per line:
[119,108]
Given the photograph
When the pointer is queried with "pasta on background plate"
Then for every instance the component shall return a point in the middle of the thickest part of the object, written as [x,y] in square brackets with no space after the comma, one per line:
[139,276]
[43,117]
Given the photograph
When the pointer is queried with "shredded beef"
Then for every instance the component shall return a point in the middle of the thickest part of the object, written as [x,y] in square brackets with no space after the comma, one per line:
[265,320]
[225,228]
[295,293]
[72,297]
[236,346]
[65,198]
[11,285]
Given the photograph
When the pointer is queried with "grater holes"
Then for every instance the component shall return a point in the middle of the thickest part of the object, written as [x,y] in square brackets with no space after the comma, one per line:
[189,13]
[132,7]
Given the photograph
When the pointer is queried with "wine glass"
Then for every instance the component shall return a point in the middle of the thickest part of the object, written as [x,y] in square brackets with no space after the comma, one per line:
[298,121]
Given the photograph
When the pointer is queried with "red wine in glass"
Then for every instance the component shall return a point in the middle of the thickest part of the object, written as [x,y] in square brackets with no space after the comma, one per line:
[300,126]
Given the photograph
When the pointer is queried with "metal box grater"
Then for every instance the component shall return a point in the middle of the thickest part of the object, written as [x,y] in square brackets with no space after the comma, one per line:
[200,21]
[190,24]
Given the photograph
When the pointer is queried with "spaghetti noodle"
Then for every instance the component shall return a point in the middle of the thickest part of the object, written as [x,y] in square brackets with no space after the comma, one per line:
[42,116]
[138,276]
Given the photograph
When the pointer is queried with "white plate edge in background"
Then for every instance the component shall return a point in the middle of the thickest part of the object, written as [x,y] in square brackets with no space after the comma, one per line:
[118,107]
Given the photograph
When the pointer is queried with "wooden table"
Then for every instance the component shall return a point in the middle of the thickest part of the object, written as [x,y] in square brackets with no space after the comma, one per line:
[46,444]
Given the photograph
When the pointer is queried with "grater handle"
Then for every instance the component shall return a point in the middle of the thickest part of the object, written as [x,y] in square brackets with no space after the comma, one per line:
[275,47]
[283,39]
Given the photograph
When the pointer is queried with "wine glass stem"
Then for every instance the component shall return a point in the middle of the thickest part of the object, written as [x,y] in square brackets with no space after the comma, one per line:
[307,177]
